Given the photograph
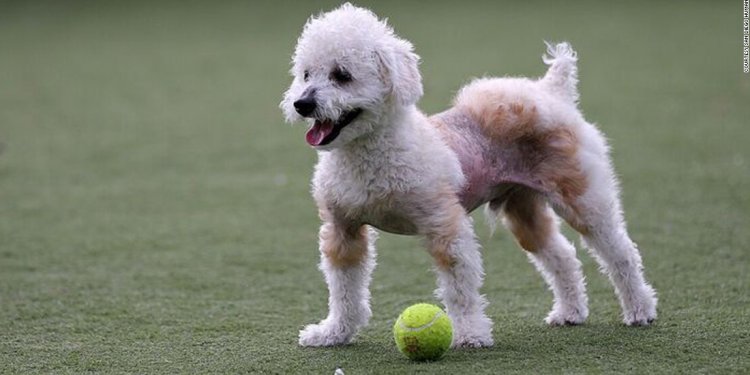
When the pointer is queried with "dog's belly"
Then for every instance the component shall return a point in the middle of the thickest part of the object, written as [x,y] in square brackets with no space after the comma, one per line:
[392,222]
[384,213]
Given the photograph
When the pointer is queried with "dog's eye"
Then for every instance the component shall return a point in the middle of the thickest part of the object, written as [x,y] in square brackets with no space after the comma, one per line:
[341,76]
[306,75]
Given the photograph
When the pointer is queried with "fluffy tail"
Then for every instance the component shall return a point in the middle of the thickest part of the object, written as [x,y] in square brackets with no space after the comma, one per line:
[562,75]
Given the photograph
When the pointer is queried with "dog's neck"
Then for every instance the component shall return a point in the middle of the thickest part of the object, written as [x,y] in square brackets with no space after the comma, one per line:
[403,153]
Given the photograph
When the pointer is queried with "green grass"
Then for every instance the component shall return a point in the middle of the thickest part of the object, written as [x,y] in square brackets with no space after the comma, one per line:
[155,214]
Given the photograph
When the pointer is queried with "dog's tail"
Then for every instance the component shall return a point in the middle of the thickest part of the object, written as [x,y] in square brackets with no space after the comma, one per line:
[562,75]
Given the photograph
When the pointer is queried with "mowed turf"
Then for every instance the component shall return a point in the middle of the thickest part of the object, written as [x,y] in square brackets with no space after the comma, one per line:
[155,214]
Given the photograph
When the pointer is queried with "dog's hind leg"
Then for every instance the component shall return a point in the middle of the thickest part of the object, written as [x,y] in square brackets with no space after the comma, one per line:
[537,231]
[598,217]
[459,269]
[606,237]
[347,261]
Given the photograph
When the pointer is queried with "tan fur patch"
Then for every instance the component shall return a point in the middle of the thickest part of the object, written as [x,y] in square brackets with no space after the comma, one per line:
[577,223]
[444,224]
[560,166]
[439,248]
[344,247]
[517,108]
[529,220]
[572,214]
[505,121]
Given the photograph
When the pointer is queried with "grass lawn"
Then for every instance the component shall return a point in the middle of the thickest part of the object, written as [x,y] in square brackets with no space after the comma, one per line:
[155,214]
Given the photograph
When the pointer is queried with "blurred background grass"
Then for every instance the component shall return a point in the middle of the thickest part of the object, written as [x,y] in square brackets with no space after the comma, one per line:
[155,214]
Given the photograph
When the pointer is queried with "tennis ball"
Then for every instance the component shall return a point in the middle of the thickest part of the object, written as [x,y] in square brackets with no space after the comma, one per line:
[423,332]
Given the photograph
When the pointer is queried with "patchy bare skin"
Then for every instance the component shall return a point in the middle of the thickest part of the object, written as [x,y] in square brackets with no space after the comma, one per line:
[491,169]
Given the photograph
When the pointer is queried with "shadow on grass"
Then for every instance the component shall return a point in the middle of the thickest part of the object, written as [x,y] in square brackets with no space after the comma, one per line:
[520,348]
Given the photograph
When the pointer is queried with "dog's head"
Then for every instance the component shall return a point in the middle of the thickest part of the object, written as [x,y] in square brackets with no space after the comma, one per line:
[350,72]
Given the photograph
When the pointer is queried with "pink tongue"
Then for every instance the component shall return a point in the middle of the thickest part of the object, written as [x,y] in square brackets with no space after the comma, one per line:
[318,132]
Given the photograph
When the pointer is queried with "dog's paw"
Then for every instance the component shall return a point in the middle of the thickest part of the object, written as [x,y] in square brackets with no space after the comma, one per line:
[325,334]
[642,312]
[473,333]
[472,341]
[640,317]
[639,321]
[567,316]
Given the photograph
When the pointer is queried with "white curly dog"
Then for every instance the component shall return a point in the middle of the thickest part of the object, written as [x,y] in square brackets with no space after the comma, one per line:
[518,145]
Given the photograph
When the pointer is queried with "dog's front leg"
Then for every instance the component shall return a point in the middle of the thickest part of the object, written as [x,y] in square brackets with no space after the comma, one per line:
[347,260]
[459,269]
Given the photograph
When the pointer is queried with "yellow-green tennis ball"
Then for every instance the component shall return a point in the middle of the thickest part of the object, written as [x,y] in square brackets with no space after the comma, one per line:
[423,332]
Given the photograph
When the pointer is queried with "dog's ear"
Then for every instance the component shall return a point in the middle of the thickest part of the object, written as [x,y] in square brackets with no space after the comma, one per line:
[399,67]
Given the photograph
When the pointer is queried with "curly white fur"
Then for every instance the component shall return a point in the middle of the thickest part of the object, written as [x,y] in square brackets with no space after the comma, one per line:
[520,145]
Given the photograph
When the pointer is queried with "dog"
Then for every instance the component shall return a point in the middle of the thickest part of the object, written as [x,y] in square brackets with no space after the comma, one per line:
[518,146]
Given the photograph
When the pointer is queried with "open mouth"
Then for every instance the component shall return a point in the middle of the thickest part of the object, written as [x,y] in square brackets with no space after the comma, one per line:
[325,131]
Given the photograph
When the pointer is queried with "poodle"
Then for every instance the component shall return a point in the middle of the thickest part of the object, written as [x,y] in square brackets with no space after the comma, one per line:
[518,146]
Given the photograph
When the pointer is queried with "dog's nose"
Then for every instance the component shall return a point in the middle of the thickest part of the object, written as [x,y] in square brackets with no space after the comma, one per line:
[305,106]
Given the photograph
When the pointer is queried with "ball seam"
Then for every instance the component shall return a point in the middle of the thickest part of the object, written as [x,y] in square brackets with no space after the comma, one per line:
[423,326]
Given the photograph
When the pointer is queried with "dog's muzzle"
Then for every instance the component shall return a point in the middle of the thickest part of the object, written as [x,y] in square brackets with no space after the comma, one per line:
[325,131]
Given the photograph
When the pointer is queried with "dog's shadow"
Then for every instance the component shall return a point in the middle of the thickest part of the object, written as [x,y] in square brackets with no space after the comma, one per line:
[522,348]
[562,347]
[525,348]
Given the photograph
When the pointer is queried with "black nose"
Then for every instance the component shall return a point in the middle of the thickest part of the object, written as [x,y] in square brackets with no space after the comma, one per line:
[305,106]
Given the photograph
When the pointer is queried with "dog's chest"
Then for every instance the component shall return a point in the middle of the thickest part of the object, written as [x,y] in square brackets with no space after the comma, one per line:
[388,198]
[377,203]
